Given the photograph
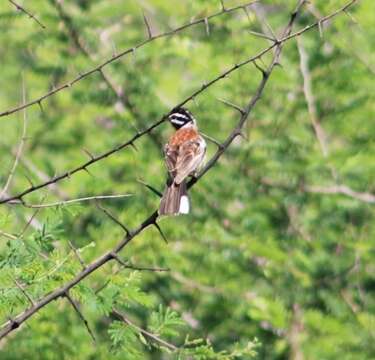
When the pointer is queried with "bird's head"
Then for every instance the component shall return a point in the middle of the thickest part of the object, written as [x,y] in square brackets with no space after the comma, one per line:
[180,117]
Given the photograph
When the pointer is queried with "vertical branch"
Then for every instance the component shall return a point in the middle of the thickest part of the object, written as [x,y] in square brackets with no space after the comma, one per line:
[20,146]
[310,98]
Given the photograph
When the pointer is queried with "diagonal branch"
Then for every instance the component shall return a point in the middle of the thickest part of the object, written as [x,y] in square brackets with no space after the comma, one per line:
[13,324]
[119,56]
[30,15]
[204,87]
[116,89]
[81,316]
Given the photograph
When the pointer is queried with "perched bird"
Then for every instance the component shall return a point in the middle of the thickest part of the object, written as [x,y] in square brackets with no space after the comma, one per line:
[184,154]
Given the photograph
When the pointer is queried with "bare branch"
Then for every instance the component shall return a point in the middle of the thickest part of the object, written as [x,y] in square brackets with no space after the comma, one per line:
[149,32]
[20,146]
[118,56]
[71,201]
[31,16]
[343,190]
[191,97]
[310,99]
[11,325]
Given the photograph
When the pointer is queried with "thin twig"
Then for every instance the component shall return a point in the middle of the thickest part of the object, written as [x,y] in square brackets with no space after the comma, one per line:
[191,97]
[209,138]
[112,217]
[77,254]
[343,190]
[7,235]
[116,57]
[71,201]
[150,187]
[310,98]
[31,16]
[148,334]
[149,32]
[20,146]
[261,35]
[76,308]
[127,265]
[28,297]
[234,106]
[14,323]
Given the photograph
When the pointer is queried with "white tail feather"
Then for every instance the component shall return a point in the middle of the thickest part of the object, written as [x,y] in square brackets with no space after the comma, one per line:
[184,205]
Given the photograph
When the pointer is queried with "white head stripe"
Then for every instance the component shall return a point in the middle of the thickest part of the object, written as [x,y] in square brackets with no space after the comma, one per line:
[178,115]
[177,122]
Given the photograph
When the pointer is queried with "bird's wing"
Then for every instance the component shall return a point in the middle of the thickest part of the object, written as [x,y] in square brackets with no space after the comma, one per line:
[171,154]
[190,156]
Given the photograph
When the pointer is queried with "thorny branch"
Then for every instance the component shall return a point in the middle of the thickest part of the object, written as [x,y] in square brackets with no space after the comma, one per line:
[31,16]
[116,57]
[111,255]
[204,87]
[118,91]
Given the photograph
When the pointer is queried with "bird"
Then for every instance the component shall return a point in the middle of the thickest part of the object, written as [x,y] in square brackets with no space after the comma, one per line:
[184,154]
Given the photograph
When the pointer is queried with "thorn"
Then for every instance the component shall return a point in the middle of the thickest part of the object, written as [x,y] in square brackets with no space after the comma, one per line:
[195,101]
[114,50]
[260,68]
[247,14]
[147,25]
[133,146]
[207,26]
[155,191]
[29,180]
[134,55]
[234,106]
[160,231]
[114,256]
[78,311]
[88,153]
[223,9]
[320,29]
[40,106]
[85,169]
[241,134]
[278,63]
[351,17]
[77,255]
[209,138]
[113,218]
[264,36]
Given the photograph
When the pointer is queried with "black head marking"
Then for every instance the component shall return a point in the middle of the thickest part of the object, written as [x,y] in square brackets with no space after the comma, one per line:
[180,117]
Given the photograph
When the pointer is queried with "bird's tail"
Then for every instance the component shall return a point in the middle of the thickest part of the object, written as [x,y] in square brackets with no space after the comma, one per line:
[175,200]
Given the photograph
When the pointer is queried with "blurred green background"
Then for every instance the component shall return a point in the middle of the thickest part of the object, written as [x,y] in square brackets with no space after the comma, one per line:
[277,257]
